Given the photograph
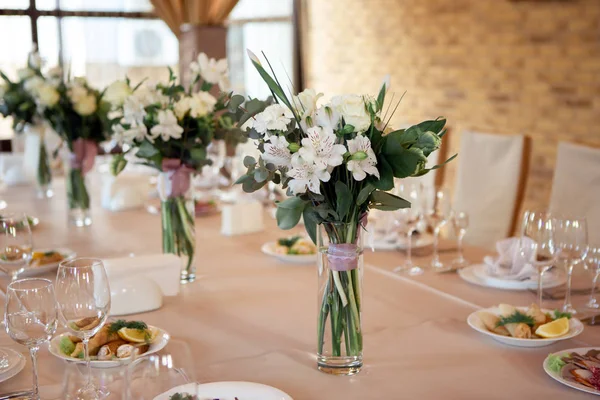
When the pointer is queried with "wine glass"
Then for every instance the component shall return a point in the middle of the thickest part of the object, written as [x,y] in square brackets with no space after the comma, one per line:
[407,219]
[31,317]
[460,221]
[16,244]
[572,238]
[537,245]
[437,214]
[83,298]
[593,264]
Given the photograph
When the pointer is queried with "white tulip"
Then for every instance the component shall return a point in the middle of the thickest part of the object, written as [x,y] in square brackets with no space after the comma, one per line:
[117,93]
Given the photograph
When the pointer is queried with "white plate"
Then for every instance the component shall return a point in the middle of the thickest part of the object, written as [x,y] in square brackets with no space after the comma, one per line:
[42,269]
[159,343]
[229,391]
[558,376]
[575,328]
[476,274]
[269,249]
[16,363]
[400,243]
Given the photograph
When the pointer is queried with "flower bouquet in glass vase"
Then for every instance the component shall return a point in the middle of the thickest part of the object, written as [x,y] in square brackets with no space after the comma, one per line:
[168,127]
[76,112]
[337,162]
[23,99]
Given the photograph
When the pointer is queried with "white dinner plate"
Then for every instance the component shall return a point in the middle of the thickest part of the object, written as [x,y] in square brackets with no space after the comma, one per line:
[159,343]
[401,243]
[575,328]
[477,274]
[269,249]
[42,269]
[557,375]
[16,363]
[228,391]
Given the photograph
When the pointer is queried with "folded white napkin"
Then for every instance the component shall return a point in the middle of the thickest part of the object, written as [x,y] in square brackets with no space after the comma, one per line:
[241,218]
[125,191]
[510,264]
[12,169]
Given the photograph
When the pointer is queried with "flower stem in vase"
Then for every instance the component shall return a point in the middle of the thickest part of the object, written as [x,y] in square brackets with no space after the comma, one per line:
[78,197]
[44,173]
[178,233]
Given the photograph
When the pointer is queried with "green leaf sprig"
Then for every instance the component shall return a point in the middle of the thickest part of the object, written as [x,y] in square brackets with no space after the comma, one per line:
[516,318]
[121,323]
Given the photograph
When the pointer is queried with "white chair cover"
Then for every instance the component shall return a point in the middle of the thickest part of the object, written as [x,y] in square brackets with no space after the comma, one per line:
[487,184]
[576,186]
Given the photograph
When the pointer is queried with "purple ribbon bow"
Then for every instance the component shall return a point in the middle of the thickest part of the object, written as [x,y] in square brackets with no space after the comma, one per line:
[84,153]
[179,174]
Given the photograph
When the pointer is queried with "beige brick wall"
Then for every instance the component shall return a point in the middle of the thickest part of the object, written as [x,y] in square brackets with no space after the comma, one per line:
[488,65]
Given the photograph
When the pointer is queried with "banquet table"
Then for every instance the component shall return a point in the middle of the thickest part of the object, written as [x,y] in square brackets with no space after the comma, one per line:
[249,317]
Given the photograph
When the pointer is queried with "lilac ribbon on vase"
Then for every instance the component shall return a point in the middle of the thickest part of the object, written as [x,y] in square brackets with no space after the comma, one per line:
[83,155]
[344,256]
[179,175]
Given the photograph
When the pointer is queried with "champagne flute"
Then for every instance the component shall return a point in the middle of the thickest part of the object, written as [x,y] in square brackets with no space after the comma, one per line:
[460,221]
[83,298]
[537,245]
[593,263]
[438,215]
[16,244]
[572,239]
[31,317]
[407,219]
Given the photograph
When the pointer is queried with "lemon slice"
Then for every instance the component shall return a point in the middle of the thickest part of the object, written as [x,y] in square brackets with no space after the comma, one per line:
[553,329]
[138,336]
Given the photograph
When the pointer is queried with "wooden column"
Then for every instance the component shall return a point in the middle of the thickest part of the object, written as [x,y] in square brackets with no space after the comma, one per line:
[196,39]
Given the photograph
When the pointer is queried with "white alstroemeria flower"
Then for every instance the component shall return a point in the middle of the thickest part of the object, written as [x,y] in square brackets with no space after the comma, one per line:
[32,84]
[277,152]
[306,175]
[352,108]
[35,60]
[133,110]
[211,70]
[305,103]
[135,132]
[167,127]
[47,96]
[117,92]
[362,160]
[224,84]
[25,73]
[148,94]
[86,105]
[327,117]
[319,147]
[201,104]
[274,118]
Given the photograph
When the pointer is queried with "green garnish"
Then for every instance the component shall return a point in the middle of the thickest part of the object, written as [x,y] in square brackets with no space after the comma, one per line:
[559,314]
[555,363]
[49,253]
[66,346]
[516,318]
[179,396]
[289,242]
[121,323]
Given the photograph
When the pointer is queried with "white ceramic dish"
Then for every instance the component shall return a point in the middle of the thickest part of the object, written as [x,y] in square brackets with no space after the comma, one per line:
[477,275]
[16,363]
[42,269]
[557,376]
[269,249]
[575,328]
[229,391]
[159,343]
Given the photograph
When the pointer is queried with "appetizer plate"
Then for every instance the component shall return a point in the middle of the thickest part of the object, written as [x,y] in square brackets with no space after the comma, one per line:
[477,275]
[159,343]
[575,328]
[269,249]
[557,375]
[228,391]
[42,269]
[16,363]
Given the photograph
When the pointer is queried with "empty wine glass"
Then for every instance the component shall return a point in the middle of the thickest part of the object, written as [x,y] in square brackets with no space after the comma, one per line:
[438,213]
[83,298]
[406,220]
[537,245]
[460,221]
[156,374]
[572,238]
[16,244]
[593,263]
[31,318]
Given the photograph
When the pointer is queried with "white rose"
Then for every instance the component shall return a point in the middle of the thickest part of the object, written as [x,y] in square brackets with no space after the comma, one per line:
[25,73]
[76,93]
[182,107]
[86,105]
[33,84]
[47,95]
[201,104]
[117,92]
[353,110]
[306,102]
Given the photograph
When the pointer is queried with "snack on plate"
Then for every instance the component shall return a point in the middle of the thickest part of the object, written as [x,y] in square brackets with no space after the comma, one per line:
[119,339]
[532,323]
[582,368]
[295,245]
[39,258]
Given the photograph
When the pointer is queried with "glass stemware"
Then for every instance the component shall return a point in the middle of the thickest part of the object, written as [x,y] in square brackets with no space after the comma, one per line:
[572,239]
[406,220]
[438,215]
[83,298]
[31,317]
[16,244]
[537,245]
[153,375]
[593,264]
[460,221]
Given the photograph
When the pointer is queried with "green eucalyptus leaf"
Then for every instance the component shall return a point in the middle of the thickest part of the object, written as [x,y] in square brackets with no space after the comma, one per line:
[289,212]
[364,194]
[249,161]
[198,154]
[386,175]
[235,102]
[310,223]
[146,150]
[404,162]
[343,199]
[117,164]
[387,202]
[435,126]
[261,174]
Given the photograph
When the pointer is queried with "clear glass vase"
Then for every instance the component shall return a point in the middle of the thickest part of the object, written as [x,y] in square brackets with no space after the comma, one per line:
[340,268]
[178,229]
[37,160]
[77,196]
